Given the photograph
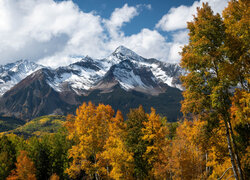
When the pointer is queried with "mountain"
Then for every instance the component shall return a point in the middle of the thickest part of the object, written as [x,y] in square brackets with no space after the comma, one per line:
[13,73]
[124,80]
[33,97]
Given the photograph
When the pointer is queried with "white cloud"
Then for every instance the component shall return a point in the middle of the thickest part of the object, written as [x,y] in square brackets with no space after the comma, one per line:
[180,38]
[176,21]
[118,18]
[148,43]
[177,18]
[53,32]
[36,29]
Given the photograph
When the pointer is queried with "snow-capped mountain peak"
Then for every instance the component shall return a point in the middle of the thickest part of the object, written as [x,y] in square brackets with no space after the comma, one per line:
[125,67]
[13,73]
[125,51]
[122,53]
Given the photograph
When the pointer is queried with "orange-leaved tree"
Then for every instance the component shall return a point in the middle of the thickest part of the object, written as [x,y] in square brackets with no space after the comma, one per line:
[90,130]
[25,169]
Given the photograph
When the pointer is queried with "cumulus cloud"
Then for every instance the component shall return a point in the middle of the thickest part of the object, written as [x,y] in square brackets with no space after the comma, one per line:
[118,18]
[180,38]
[54,33]
[178,17]
[150,43]
[175,21]
[37,29]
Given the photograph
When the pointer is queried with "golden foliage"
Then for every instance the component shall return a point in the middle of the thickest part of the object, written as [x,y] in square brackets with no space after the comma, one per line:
[100,150]
[119,159]
[240,109]
[154,133]
[186,157]
[90,129]
[25,169]
[54,177]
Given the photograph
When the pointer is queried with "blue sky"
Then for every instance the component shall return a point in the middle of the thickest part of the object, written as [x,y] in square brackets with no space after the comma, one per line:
[55,32]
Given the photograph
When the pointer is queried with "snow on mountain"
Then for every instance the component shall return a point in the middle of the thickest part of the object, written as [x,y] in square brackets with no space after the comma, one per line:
[129,77]
[164,72]
[79,76]
[13,73]
[126,76]
[122,53]
[123,66]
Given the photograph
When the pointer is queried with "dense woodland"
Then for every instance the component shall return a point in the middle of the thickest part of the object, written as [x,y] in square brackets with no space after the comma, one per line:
[211,141]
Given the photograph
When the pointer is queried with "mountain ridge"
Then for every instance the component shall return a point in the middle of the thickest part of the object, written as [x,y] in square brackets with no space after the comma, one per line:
[59,91]
[84,74]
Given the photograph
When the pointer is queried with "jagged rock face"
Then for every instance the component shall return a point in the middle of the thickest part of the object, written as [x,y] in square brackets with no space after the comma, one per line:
[29,90]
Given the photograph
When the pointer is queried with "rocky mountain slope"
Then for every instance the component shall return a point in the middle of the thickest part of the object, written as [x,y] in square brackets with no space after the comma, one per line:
[29,90]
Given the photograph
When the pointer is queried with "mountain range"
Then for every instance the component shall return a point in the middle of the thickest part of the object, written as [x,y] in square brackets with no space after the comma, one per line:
[124,80]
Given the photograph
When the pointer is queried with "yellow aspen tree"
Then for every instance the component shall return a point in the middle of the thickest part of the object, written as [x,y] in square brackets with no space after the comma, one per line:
[120,161]
[186,161]
[240,118]
[218,158]
[154,133]
[208,61]
[236,19]
[90,130]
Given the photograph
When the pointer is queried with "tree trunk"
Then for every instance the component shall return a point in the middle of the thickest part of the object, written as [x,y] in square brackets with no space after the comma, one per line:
[96,177]
[235,152]
[108,172]
[231,151]
[207,168]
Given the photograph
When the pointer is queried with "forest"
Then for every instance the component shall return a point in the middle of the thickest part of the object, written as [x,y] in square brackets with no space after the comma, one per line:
[210,141]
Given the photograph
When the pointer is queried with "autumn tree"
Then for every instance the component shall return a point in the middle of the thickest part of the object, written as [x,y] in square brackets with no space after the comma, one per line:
[208,84]
[154,133]
[90,130]
[240,116]
[54,177]
[236,19]
[120,160]
[186,159]
[218,160]
[25,169]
